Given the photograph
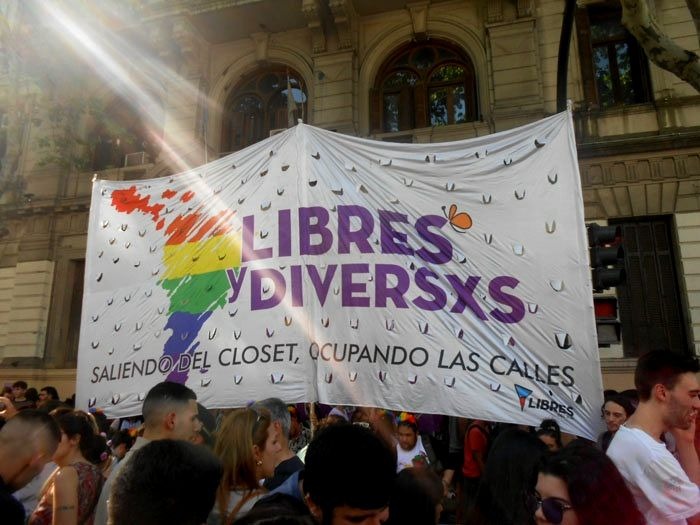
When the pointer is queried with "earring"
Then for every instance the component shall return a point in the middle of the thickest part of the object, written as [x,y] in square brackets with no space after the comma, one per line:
[258,462]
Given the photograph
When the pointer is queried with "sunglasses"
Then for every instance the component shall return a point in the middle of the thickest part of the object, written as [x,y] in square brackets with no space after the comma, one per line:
[552,508]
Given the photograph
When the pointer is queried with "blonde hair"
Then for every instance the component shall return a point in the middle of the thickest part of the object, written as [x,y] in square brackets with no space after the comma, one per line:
[239,432]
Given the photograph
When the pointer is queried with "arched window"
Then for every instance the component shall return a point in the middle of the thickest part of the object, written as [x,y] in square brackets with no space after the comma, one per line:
[258,105]
[426,84]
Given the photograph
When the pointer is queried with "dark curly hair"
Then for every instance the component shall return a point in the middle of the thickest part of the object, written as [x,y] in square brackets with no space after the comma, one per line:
[597,490]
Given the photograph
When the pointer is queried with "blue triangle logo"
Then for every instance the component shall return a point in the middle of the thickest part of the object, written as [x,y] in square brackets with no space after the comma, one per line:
[523,394]
[522,391]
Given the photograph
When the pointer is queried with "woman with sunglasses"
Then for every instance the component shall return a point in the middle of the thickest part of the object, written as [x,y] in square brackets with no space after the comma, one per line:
[505,489]
[247,445]
[580,485]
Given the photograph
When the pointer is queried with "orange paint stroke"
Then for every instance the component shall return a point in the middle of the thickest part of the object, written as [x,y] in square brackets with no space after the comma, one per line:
[168,194]
[181,227]
[127,201]
[187,196]
[218,225]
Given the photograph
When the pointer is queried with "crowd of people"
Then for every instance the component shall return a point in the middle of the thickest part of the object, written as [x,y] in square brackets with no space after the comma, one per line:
[270,463]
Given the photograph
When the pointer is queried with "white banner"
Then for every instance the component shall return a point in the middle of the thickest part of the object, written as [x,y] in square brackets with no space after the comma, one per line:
[443,278]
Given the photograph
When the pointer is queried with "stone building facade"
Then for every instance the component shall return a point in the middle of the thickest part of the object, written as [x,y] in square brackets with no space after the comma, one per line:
[189,81]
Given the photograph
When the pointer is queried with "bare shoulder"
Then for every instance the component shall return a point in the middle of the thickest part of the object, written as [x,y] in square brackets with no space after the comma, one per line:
[66,478]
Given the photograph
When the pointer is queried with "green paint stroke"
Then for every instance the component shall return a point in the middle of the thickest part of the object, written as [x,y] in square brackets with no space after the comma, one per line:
[197,294]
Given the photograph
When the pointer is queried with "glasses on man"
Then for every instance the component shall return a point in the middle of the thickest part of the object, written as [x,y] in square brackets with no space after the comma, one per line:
[553,509]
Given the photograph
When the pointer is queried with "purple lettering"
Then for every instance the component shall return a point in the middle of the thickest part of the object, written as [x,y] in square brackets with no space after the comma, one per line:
[257,302]
[393,241]
[307,229]
[517,307]
[444,253]
[297,289]
[249,251]
[285,233]
[464,295]
[350,287]
[321,285]
[236,282]
[359,237]
[382,291]
[439,296]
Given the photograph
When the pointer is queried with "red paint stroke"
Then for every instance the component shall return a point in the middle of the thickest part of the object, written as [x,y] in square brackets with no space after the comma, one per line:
[181,227]
[127,201]
[216,225]
[168,194]
[187,196]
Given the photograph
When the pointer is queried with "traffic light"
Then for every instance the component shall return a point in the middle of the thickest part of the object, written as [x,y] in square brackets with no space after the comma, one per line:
[607,256]
[606,323]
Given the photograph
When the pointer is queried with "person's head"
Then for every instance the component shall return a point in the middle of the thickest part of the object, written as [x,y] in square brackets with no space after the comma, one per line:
[616,410]
[508,481]
[550,434]
[121,443]
[170,412]
[361,415]
[280,416]
[294,423]
[407,430]
[78,434]
[27,442]
[579,485]
[668,382]
[247,444]
[416,497]
[205,433]
[19,389]
[100,454]
[384,425]
[32,395]
[165,479]
[349,475]
[51,405]
[48,393]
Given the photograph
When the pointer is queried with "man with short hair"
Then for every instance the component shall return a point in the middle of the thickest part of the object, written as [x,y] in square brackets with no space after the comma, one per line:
[287,463]
[46,394]
[19,391]
[27,442]
[665,488]
[166,482]
[169,412]
[349,476]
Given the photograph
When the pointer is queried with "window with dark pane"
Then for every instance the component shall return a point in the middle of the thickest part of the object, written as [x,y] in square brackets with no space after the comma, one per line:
[651,312]
[120,132]
[614,68]
[424,84]
[258,105]
[77,276]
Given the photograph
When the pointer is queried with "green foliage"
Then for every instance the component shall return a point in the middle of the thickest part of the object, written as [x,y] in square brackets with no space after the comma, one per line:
[71,132]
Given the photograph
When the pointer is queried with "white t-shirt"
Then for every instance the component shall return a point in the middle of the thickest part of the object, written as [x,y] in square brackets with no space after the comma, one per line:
[404,458]
[662,490]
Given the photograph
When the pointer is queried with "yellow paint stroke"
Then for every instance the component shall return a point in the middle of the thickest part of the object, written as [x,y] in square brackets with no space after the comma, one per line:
[194,258]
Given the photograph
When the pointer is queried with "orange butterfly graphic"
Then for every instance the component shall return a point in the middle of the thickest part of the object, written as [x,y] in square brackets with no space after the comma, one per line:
[460,222]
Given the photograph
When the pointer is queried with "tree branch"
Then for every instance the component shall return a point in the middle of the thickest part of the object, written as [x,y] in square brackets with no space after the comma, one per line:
[660,49]
[694,8]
